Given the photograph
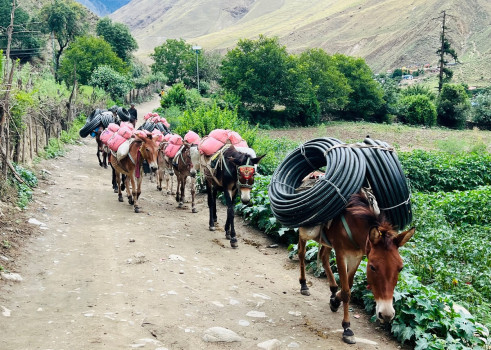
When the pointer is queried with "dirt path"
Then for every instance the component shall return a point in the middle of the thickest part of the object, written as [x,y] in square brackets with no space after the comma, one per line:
[99,276]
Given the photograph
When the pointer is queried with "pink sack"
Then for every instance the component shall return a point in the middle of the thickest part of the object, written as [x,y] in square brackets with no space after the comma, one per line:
[141,133]
[209,146]
[171,150]
[115,141]
[220,135]
[176,140]
[167,137]
[128,125]
[234,137]
[241,144]
[157,135]
[106,135]
[155,114]
[147,116]
[192,137]
[125,132]
[113,127]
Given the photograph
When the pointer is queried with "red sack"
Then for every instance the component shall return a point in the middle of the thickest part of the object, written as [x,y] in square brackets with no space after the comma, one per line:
[171,150]
[125,132]
[106,135]
[192,137]
[113,127]
[220,135]
[209,145]
[115,141]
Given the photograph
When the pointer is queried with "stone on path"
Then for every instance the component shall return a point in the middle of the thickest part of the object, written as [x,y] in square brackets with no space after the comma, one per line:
[258,314]
[272,344]
[220,334]
[11,276]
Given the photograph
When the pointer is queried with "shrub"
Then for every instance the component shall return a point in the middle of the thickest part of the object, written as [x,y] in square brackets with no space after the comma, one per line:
[24,190]
[115,84]
[453,106]
[179,96]
[418,110]
[481,111]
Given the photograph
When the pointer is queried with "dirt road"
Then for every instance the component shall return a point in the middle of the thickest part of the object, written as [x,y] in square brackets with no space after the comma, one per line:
[99,276]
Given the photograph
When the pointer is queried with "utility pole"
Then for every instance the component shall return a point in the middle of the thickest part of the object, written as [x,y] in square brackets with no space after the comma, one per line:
[196,49]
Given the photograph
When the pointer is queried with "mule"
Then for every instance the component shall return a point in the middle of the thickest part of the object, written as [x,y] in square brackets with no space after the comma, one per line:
[165,170]
[359,231]
[101,148]
[141,148]
[184,168]
[234,172]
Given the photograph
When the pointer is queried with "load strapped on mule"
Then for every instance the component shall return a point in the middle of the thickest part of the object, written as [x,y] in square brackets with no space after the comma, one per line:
[348,167]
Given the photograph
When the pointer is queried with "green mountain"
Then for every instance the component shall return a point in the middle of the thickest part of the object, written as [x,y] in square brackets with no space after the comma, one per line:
[388,34]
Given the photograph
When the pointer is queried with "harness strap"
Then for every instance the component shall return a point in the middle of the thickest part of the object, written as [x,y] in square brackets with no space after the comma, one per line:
[348,231]
[324,238]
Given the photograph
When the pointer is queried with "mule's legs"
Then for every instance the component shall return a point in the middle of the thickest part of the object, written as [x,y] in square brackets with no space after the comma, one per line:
[129,178]
[104,159]
[304,289]
[118,184]
[160,176]
[99,156]
[211,202]
[325,254]
[229,224]
[214,213]
[192,187]
[138,192]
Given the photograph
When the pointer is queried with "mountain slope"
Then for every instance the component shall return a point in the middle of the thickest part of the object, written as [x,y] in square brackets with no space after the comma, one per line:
[388,34]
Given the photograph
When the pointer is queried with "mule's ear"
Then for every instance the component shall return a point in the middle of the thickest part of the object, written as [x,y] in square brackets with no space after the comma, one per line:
[257,159]
[374,234]
[149,136]
[403,237]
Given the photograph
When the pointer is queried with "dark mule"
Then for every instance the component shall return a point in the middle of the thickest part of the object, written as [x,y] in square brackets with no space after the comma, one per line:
[357,232]
[234,170]
[165,170]
[183,168]
[101,148]
[141,148]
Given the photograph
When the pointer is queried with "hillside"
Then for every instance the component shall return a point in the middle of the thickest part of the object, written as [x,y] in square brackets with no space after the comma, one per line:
[388,34]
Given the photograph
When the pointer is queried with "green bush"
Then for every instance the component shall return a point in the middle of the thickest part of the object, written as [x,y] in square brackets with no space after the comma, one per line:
[418,110]
[440,171]
[275,150]
[24,190]
[453,106]
[481,110]
[179,96]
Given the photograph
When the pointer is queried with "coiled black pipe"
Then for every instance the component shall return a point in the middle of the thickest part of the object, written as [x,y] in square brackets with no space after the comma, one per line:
[345,169]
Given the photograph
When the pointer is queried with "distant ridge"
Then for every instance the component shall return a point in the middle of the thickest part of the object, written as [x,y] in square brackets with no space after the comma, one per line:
[103,8]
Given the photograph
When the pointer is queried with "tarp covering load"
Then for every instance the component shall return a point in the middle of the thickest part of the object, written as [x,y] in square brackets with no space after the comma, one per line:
[388,183]
[210,144]
[345,169]
[175,143]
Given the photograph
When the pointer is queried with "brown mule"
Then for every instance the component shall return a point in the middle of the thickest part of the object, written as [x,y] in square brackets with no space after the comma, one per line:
[141,148]
[165,170]
[184,168]
[357,232]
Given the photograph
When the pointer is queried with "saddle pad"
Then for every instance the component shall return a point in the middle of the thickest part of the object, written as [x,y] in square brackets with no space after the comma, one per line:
[209,146]
[192,137]
[115,141]
[106,135]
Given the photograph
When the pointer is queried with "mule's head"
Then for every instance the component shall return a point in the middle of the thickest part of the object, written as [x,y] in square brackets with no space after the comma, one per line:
[384,266]
[149,151]
[187,159]
[246,169]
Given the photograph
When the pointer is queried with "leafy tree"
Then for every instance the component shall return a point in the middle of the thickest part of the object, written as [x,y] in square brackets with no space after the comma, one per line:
[118,36]
[209,67]
[366,96]
[419,90]
[391,94]
[332,88]
[175,59]
[481,110]
[65,19]
[255,70]
[418,110]
[114,83]
[445,50]
[397,73]
[25,41]
[179,96]
[84,55]
[453,106]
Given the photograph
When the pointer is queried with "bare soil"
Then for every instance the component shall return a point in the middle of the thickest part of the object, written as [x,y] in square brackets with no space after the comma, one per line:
[96,275]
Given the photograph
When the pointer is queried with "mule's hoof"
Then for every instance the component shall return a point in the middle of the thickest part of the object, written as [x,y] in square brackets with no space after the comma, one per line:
[234,244]
[120,198]
[305,292]
[168,192]
[131,201]
[194,210]
[105,166]
[212,228]
[137,209]
[172,193]
[227,236]
[334,304]
[159,188]
[115,190]
[180,205]
[349,339]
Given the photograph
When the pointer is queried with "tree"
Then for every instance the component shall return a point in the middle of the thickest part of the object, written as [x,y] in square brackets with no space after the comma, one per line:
[481,110]
[84,55]
[114,83]
[65,20]
[453,106]
[418,110]
[118,36]
[255,70]
[175,59]
[366,96]
[25,39]
[332,88]
[445,74]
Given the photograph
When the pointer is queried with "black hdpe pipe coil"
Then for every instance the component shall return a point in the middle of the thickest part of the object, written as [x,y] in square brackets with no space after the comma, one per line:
[90,126]
[387,180]
[345,169]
